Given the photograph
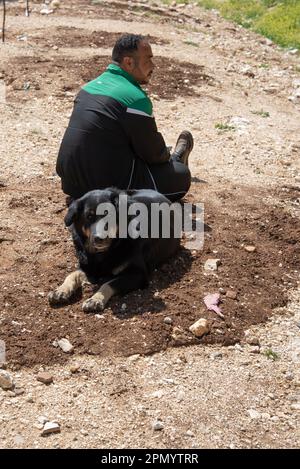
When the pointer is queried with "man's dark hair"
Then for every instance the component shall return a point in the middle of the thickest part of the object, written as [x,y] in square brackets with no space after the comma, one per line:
[126,45]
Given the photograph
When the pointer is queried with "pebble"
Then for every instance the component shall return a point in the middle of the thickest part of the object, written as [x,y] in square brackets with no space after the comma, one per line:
[231,294]
[254,414]
[6,381]
[200,327]
[212,264]
[158,393]
[289,376]
[255,349]
[133,358]
[180,396]
[168,320]
[295,406]
[45,11]
[42,419]
[215,355]
[18,439]
[44,377]
[157,425]
[251,340]
[65,345]
[50,427]
[74,368]
[250,248]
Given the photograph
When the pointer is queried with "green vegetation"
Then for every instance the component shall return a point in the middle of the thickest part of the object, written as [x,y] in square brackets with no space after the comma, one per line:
[271,355]
[279,20]
[261,113]
[191,43]
[224,127]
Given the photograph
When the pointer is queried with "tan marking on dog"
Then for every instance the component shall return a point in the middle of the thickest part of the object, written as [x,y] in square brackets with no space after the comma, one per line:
[104,293]
[86,231]
[72,282]
[98,301]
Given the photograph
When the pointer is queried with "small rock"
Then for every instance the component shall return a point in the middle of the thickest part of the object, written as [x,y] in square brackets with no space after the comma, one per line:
[124,307]
[255,349]
[45,11]
[18,439]
[190,433]
[45,377]
[6,381]
[74,368]
[254,414]
[158,393]
[65,345]
[84,432]
[168,320]
[55,4]
[250,248]
[42,419]
[289,376]
[180,396]
[50,427]
[251,340]
[215,355]
[133,358]
[200,327]
[295,406]
[212,264]
[157,425]
[178,335]
[231,294]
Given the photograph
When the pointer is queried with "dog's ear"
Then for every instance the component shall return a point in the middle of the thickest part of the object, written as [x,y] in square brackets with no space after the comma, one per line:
[74,211]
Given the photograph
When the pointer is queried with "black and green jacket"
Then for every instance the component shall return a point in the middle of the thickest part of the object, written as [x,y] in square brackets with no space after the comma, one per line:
[111,125]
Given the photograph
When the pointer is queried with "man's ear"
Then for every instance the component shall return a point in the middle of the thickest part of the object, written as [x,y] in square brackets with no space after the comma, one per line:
[128,63]
[73,212]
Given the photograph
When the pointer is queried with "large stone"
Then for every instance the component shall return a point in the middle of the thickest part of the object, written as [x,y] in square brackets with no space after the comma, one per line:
[50,427]
[200,327]
[45,377]
[6,381]
[65,345]
[212,264]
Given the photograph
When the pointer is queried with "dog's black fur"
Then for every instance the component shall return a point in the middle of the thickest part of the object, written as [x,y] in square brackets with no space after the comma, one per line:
[126,263]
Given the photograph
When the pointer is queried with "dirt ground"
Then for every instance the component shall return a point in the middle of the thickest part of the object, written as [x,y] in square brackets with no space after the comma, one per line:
[238,386]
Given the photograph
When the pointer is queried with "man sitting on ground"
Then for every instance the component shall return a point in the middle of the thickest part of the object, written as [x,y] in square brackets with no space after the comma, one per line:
[112,138]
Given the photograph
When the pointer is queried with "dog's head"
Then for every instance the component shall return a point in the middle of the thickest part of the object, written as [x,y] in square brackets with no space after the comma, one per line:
[94,220]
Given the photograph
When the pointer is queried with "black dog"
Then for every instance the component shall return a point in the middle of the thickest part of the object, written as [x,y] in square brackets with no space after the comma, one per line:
[124,262]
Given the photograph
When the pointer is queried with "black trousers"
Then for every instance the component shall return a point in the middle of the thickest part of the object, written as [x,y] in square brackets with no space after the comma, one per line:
[173,179]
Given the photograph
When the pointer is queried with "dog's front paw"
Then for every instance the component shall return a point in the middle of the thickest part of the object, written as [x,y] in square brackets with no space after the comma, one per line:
[94,304]
[58,296]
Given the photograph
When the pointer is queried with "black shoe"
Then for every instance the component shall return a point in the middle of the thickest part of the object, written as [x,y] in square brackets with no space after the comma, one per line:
[184,146]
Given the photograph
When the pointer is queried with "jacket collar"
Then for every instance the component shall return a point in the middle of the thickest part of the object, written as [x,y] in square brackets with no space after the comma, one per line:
[117,70]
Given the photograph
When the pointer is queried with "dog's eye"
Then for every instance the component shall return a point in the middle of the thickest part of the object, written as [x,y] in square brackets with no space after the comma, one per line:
[90,216]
